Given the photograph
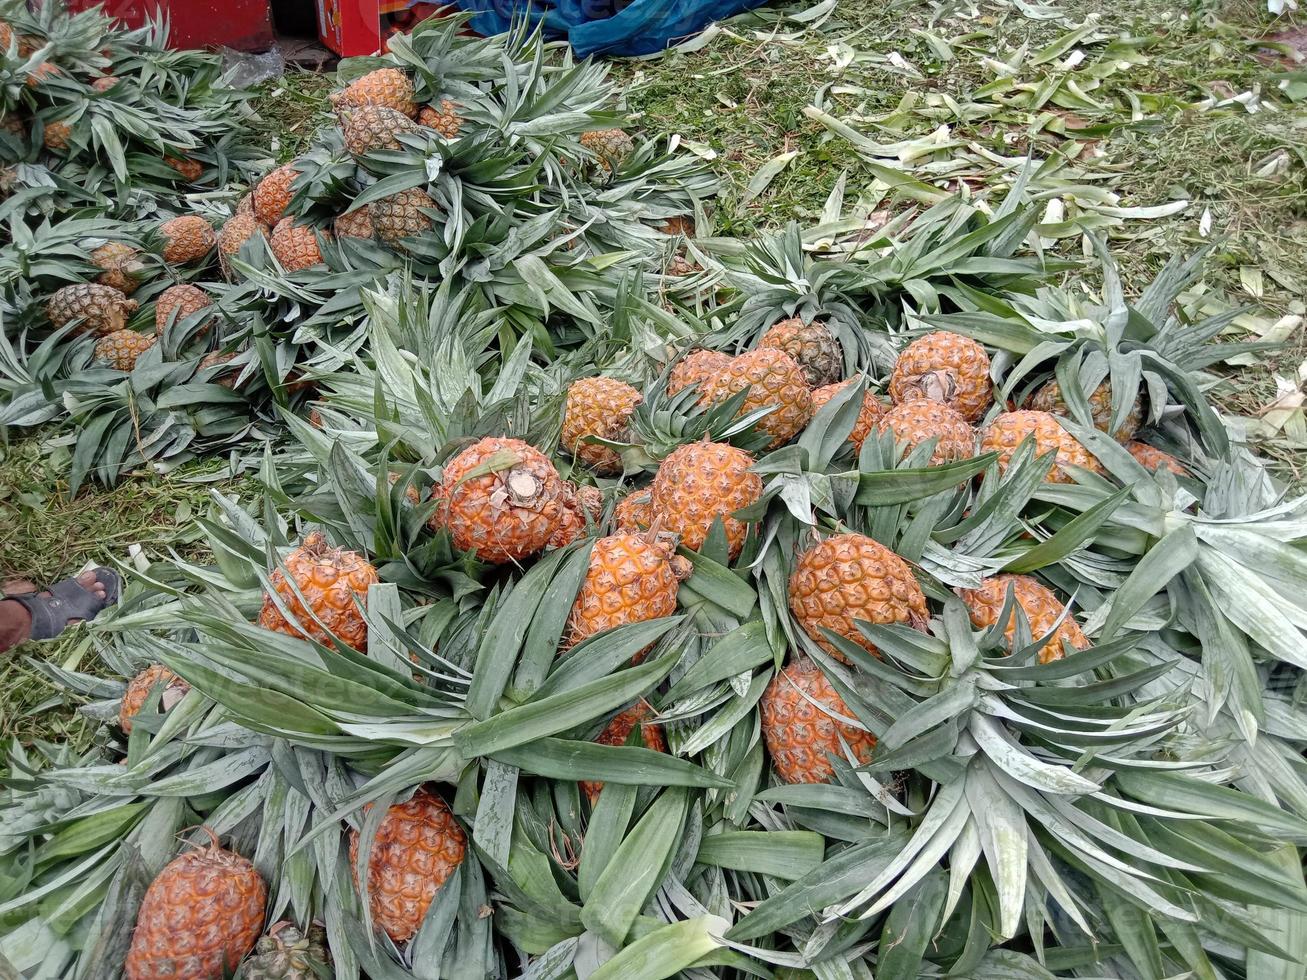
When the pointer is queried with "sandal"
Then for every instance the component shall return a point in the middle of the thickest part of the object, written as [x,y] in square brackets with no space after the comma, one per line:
[67,601]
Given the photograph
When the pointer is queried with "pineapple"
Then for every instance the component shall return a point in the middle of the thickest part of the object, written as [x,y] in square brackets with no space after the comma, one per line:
[443,118]
[199,918]
[121,348]
[238,230]
[632,579]
[850,578]
[386,87]
[334,584]
[696,368]
[225,378]
[914,422]
[176,303]
[582,506]
[42,73]
[611,147]
[401,215]
[944,367]
[1041,608]
[868,415]
[1049,399]
[187,239]
[1153,459]
[192,170]
[56,136]
[1006,432]
[679,265]
[634,513]
[618,732]
[374,127]
[502,498]
[812,345]
[701,482]
[101,309]
[681,224]
[354,224]
[104,84]
[803,723]
[775,380]
[272,195]
[417,847]
[287,953]
[296,245]
[245,204]
[598,407]
[121,265]
[158,678]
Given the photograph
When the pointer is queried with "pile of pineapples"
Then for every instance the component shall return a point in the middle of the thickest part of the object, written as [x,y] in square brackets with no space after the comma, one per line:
[621,603]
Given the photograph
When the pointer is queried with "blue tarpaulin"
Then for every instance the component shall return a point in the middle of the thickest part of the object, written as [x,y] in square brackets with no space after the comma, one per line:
[598,27]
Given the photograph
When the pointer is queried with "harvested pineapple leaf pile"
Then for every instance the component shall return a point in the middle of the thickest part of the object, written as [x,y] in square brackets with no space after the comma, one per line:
[886,597]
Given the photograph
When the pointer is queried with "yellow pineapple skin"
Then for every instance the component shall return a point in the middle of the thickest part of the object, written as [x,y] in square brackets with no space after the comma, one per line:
[582,507]
[443,117]
[849,578]
[1049,399]
[1005,433]
[868,415]
[187,239]
[611,147]
[374,127]
[773,379]
[798,727]
[121,348]
[239,229]
[138,689]
[418,846]
[121,264]
[296,245]
[944,367]
[632,578]
[272,195]
[1154,459]
[696,368]
[402,215]
[813,347]
[191,170]
[355,224]
[1041,608]
[634,513]
[388,87]
[700,482]
[330,580]
[186,300]
[917,421]
[618,731]
[226,379]
[599,407]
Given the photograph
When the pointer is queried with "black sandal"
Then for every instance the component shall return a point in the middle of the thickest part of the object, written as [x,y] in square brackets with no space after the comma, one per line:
[68,600]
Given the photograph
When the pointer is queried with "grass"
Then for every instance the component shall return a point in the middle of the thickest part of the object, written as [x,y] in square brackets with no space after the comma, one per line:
[744,95]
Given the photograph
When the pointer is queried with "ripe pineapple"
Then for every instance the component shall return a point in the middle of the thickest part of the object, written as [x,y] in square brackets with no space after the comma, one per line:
[57,135]
[121,264]
[121,348]
[679,265]
[1049,399]
[287,953]
[611,147]
[634,513]
[916,421]
[187,239]
[1005,433]
[245,204]
[1040,606]
[374,127]
[42,73]
[618,731]
[296,245]
[104,84]
[803,723]
[155,677]
[944,367]
[681,224]
[192,170]
[582,506]
[272,195]
[417,847]
[599,407]
[850,578]
[812,345]
[176,303]
[508,513]
[632,579]
[199,918]
[238,230]
[387,87]
[355,224]
[701,482]
[443,118]
[1153,459]
[225,378]
[696,368]
[102,309]
[773,379]
[330,580]
[870,412]
[401,215]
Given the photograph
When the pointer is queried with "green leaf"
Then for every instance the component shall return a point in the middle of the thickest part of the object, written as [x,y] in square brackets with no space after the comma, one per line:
[1179,792]
[1165,560]
[1068,538]
[744,648]
[886,487]
[909,929]
[788,854]
[558,758]
[719,585]
[665,952]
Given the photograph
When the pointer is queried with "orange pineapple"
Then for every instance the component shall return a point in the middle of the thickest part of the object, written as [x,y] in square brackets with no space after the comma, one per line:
[774,379]
[187,239]
[870,412]
[192,170]
[582,506]
[296,245]
[803,721]
[442,117]
[1153,459]
[355,224]
[618,731]
[388,87]
[598,407]
[272,195]
[121,265]
[850,578]
[225,378]
[1006,432]
[121,348]
[813,347]
[696,368]
[634,513]
[334,583]
[701,482]
[155,677]
[632,579]
[680,224]
[916,421]
[944,367]
[418,846]
[57,135]
[1041,608]
[1049,399]
[199,918]
[238,230]
[183,299]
